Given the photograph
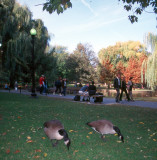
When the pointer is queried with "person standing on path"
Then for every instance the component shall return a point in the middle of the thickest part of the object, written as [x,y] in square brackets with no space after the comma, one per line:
[58,85]
[64,86]
[117,86]
[41,81]
[123,89]
[130,86]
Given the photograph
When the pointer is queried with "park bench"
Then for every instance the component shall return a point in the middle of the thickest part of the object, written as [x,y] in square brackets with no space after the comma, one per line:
[97,95]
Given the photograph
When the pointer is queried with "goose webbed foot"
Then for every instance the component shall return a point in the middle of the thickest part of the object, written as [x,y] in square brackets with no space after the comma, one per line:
[54,144]
[103,138]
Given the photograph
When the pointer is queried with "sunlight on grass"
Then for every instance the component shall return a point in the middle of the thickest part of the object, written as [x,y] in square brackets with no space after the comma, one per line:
[22,136]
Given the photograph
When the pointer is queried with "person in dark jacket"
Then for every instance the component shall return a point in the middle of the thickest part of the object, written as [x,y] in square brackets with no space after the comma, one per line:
[92,89]
[58,85]
[117,86]
[64,86]
[123,89]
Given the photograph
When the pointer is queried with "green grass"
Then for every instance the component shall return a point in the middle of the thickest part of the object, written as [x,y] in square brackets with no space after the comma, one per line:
[22,116]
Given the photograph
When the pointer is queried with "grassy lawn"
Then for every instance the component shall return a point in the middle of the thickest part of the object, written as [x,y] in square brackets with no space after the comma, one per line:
[22,136]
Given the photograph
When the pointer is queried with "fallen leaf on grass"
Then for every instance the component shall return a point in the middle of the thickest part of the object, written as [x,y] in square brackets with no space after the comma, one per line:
[83,143]
[45,154]
[8,151]
[87,136]
[17,151]
[141,123]
[38,150]
[115,134]
[75,152]
[72,131]
[36,157]
[90,133]
[28,137]
[18,117]
[4,133]
[152,134]
[131,120]
[29,141]
[43,138]
[119,141]
[154,140]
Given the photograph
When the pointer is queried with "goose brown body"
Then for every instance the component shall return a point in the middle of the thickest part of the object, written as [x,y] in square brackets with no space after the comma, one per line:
[54,130]
[102,126]
[105,127]
[51,129]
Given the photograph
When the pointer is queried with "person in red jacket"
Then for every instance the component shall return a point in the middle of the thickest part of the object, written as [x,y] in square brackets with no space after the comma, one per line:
[41,83]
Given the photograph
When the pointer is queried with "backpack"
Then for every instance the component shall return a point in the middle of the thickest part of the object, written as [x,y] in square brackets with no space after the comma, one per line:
[77,98]
[99,99]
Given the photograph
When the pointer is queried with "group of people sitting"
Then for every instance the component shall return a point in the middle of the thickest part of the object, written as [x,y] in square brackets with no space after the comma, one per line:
[124,87]
[87,91]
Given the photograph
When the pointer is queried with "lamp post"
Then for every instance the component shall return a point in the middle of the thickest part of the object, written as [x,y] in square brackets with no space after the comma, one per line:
[33,33]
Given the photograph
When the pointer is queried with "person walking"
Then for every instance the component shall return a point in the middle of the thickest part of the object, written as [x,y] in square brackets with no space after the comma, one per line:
[117,86]
[41,83]
[58,85]
[124,89]
[64,86]
[130,86]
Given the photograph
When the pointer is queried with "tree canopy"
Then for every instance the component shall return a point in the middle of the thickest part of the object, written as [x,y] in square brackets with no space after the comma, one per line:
[125,58]
[137,7]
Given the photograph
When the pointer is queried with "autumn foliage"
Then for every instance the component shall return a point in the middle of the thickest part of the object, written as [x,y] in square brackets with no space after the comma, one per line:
[124,58]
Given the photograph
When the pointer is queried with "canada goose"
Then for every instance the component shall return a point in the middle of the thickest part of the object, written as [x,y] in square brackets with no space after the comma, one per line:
[55,131]
[105,127]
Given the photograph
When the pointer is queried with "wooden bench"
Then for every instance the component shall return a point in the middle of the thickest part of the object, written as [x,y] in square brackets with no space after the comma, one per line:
[93,96]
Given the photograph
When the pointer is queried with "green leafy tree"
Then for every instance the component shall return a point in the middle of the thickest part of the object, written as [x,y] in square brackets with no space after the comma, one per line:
[16,42]
[58,6]
[149,66]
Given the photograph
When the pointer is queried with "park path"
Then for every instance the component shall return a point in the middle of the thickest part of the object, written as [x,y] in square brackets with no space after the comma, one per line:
[106,101]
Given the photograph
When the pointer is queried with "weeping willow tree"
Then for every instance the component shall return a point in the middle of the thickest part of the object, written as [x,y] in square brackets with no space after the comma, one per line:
[16,22]
[149,66]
